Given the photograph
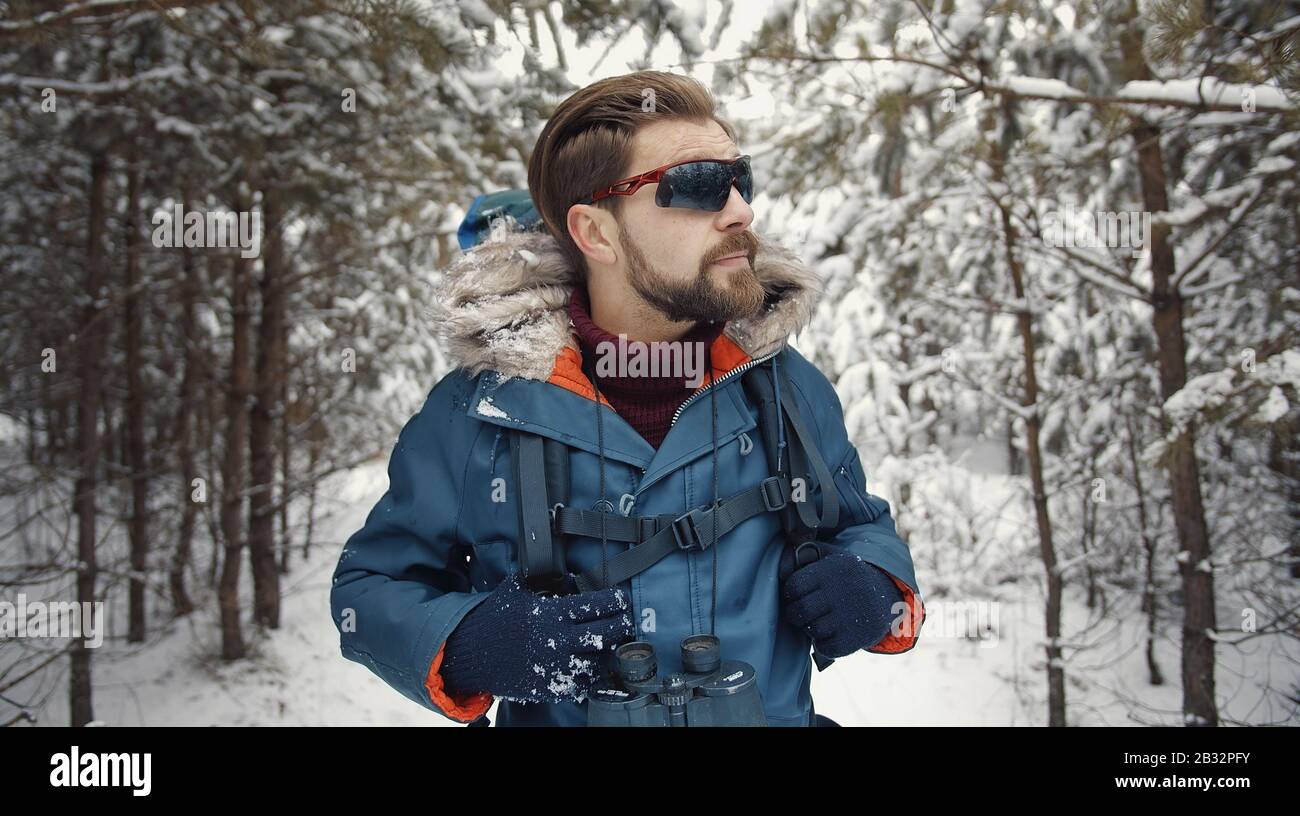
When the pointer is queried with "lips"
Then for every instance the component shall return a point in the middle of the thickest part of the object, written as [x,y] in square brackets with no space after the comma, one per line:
[737,255]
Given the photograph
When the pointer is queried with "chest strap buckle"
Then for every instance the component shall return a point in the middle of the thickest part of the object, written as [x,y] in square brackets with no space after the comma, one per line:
[774,493]
[686,530]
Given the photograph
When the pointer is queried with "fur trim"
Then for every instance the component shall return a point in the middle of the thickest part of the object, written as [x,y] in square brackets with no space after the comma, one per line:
[503,305]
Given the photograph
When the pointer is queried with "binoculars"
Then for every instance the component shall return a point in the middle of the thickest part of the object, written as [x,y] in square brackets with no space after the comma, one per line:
[709,691]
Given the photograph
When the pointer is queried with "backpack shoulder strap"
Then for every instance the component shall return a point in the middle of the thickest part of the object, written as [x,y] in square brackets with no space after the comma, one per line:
[541,470]
[791,453]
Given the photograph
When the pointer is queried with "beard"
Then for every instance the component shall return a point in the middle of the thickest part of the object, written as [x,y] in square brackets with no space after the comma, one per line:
[700,298]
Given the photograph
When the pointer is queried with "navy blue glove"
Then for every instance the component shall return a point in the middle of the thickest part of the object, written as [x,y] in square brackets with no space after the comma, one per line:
[522,646]
[841,601]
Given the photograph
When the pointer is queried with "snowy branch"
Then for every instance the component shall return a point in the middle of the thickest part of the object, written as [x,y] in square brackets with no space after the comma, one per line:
[112,86]
[93,8]
[1025,412]
[1205,94]
[1186,275]
[1102,276]
[1202,94]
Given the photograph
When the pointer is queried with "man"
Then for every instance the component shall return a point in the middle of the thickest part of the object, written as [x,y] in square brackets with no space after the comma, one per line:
[646,204]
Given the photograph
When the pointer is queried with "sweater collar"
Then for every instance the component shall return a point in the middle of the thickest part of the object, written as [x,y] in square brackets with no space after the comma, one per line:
[590,337]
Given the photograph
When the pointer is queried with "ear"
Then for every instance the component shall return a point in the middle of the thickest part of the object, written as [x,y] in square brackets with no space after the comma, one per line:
[594,231]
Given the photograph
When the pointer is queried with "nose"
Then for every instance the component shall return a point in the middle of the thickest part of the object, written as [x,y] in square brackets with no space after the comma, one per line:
[737,215]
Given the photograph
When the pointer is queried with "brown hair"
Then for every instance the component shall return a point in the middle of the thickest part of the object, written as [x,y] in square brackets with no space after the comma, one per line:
[587,143]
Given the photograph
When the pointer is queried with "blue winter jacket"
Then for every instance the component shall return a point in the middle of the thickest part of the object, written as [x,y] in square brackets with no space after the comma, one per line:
[440,538]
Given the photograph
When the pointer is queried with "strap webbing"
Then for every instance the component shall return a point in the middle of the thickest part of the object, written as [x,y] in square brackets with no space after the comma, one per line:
[802,456]
[542,466]
[802,520]
[539,562]
[800,523]
[668,534]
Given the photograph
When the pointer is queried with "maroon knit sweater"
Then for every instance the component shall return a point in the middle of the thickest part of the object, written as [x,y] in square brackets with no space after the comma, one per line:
[647,403]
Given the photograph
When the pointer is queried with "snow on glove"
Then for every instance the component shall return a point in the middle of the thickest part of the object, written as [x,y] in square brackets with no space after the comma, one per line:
[522,646]
[841,601]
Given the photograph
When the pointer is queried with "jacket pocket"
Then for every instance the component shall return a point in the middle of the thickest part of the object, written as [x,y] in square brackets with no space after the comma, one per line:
[850,481]
[492,561]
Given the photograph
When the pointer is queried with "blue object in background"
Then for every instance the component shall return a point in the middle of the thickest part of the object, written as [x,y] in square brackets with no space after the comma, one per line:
[478,221]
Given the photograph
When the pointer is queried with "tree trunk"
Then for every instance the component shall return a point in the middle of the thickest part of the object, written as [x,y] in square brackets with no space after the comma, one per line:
[181,601]
[90,349]
[1015,467]
[1284,460]
[108,435]
[286,540]
[315,443]
[262,447]
[1199,706]
[138,531]
[1088,543]
[210,453]
[1155,676]
[1033,451]
[232,470]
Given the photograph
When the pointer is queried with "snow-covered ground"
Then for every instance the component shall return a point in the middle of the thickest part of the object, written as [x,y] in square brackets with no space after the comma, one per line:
[298,677]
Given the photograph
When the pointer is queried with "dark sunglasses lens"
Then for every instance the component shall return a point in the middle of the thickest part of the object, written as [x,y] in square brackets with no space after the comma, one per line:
[697,186]
[744,179]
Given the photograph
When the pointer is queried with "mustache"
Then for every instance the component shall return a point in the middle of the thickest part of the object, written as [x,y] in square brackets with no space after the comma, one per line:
[746,242]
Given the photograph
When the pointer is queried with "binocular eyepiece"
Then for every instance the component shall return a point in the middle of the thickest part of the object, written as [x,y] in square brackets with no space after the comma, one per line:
[636,662]
[708,690]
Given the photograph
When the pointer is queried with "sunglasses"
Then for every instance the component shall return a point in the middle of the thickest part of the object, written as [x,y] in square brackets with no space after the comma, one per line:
[696,184]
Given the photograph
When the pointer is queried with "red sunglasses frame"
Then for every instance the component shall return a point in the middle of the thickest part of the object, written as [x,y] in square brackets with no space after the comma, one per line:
[652,177]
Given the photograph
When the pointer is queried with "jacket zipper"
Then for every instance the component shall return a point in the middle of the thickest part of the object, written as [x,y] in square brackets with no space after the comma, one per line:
[861,502]
[737,370]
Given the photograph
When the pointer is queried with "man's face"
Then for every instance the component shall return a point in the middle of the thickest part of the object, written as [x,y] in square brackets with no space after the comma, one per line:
[672,256]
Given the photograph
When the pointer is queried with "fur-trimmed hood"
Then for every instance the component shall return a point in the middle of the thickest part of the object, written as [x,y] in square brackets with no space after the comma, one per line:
[503,305]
